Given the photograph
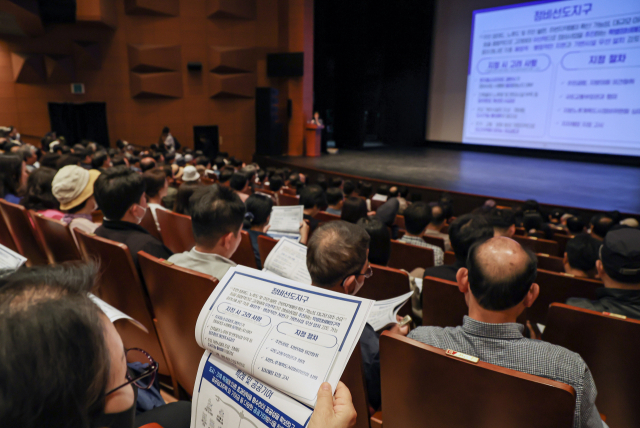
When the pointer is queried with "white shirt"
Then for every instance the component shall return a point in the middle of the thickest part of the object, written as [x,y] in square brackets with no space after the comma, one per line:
[153,207]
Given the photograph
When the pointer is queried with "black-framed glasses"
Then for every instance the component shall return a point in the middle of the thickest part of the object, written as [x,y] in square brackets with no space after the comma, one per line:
[367,274]
[145,379]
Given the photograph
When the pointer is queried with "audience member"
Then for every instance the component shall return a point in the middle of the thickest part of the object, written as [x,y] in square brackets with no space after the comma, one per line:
[382,193]
[313,199]
[416,219]
[464,231]
[39,196]
[120,195]
[600,226]
[13,178]
[434,228]
[335,200]
[29,155]
[101,161]
[225,176]
[190,174]
[619,268]
[353,209]
[147,163]
[73,187]
[337,260]
[240,184]
[256,220]
[380,240]
[575,226]
[580,256]
[349,189]
[336,182]
[156,188]
[276,183]
[503,222]
[185,191]
[217,213]
[498,284]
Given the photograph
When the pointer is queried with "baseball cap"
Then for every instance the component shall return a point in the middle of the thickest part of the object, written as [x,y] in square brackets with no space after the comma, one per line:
[620,255]
[72,185]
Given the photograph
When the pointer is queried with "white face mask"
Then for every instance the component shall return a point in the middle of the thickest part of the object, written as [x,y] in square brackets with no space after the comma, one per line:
[144,211]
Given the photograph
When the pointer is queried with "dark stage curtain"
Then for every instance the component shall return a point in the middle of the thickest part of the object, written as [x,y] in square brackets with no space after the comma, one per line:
[78,122]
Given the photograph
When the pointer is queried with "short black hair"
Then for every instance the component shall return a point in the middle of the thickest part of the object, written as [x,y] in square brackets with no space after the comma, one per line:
[380,240]
[335,182]
[437,215]
[313,196]
[321,181]
[499,294]
[276,182]
[336,250]
[582,252]
[10,172]
[203,160]
[259,206]
[154,181]
[383,189]
[575,224]
[465,231]
[185,191]
[98,159]
[348,187]
[225,175]
[215,211]
[416,217]
[116,190]
[532,221]
[39,194]
[501,218]
[365,189]
[353,209]
[238,181]
[119,160]
[334,195]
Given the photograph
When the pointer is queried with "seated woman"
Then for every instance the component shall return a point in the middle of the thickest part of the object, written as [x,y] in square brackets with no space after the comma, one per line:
[39,196]
[64,364]
[73,187]
[354,209]
[13,178]
[182,198]
[380,243]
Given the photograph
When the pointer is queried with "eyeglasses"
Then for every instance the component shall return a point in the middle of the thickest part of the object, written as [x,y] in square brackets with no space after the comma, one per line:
[367,274]
[144,380]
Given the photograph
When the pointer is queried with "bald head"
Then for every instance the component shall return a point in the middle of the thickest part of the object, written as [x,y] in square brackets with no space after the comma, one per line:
[437,215]
[500,273]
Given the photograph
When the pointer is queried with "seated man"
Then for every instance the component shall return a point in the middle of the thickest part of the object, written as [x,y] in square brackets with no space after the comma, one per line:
[120,195]
[619,269]
[436,224]
[216,216]
[157,186]
[416,218]
[463,232]
[313,199]
[337,260]
[335,200]
[600,226]
[503,222]
[580,256]
[498,286]
[239,182]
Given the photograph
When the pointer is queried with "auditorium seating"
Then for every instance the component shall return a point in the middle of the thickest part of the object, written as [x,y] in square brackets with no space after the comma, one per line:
[325,217]
[449,257]
[177,296]
[547,262]
[434,240]
[408,257]
[244,254]
[376,204]
[176,231]
[400,222]
[538,245]
[25,237]
[58,239]
[557,288]
[353,378]
[424,386]
[386,283]
[610,346]
[119,285]
[288,191]
[149,224]
[265,245]
[288,200]
[443,304]
[5,235]
[562,241]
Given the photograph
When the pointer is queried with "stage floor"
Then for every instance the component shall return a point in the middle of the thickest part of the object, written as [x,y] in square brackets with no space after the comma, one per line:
[562,182]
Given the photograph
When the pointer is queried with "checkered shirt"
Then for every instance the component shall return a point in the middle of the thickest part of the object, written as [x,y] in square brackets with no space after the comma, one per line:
[505,346]
[438,254]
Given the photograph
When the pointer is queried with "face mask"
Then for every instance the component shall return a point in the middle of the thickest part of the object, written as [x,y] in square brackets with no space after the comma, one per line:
[124,419]
[143,213]
[358,286]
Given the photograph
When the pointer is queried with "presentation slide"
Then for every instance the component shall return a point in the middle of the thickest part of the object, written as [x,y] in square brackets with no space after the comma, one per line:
[557,75]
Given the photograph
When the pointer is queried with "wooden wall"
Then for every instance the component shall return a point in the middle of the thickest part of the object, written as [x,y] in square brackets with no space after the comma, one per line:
[112,37]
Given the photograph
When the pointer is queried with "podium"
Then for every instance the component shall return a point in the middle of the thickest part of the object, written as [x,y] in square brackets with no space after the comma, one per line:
[313,139]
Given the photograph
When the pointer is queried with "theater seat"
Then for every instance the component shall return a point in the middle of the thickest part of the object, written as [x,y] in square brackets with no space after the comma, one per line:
[325,217]
[118,284]
[58,239]
[400,222]
[25,237]
[149,224]
[449,257]
[265,245]
[423,386]
[387,283]
[610,346]
[408,257]
[353,378]
[547,262]
[434,240]
[244,254]
[177,296]
[285,200]
[538,245]
[5,235]
[443,304]
[176,231]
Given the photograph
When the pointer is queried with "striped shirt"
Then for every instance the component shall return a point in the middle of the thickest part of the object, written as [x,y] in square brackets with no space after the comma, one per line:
[505,346]
[438,254]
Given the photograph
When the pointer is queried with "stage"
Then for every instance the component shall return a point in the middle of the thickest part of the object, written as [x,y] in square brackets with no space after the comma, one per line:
[585,185]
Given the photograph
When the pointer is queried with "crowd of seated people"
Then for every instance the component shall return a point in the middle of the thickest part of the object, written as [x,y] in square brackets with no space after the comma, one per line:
[223,197]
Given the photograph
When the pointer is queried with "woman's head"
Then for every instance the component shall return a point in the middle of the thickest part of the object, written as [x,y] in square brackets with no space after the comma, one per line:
[258,210]
[55,361]
[354,209]
[182,198]
[380,243]
[38,195]
[13,175]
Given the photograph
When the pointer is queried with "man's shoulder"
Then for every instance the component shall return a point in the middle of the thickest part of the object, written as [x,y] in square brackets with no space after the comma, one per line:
[584,303]
[429,334]
[179,258]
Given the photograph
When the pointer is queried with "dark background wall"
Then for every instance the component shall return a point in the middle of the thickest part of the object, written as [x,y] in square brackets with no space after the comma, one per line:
[371,69]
